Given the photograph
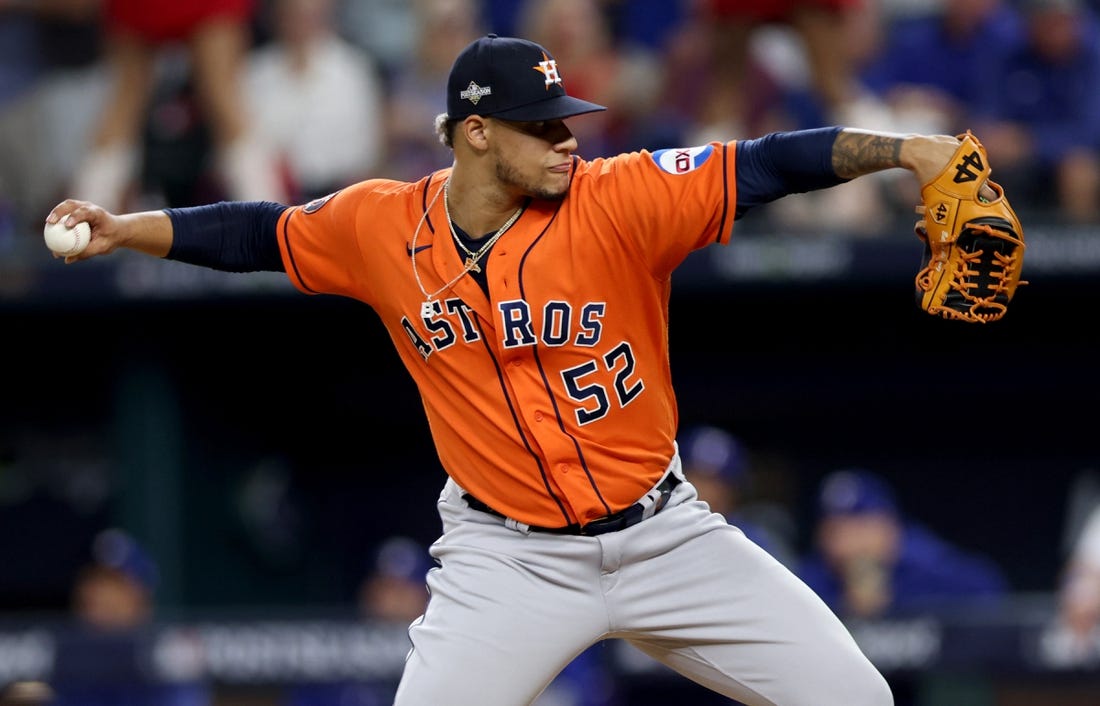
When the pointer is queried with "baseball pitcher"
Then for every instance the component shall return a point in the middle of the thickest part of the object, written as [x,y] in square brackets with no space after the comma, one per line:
[526,291]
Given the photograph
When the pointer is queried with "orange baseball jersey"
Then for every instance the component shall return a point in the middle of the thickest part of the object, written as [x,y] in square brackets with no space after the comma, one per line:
[551,400]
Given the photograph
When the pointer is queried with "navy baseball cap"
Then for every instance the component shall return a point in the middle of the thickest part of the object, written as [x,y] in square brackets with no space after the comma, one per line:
[115,549]
[401,558]
[856,492]
[510,79]
[714,452]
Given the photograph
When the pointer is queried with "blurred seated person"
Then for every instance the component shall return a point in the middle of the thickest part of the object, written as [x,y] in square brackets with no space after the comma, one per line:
[870,561]
[821,27]
[113,602]
[114,591]
[395,589]
[215,36]
[1039,113]
[1078,607]
[308,74]
[393,592]
[718,464]
[413,99]
[781,65]
[958,43]
[25,693]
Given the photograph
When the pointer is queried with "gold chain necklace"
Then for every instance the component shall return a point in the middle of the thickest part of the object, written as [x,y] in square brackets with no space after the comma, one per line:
[472,258]
[427,308]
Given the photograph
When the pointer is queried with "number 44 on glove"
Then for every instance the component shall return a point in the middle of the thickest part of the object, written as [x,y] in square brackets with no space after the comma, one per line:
[974,247]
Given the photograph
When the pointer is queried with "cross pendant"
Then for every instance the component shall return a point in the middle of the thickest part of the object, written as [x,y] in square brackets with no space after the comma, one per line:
[472,266]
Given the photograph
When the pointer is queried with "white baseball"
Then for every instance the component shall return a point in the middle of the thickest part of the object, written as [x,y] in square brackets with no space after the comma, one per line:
[67,241]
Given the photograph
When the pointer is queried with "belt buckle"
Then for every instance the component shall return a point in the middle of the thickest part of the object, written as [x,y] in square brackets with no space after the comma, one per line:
[633,514]
[611,523]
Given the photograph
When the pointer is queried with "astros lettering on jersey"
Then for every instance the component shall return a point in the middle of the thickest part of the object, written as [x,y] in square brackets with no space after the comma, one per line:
[551,400]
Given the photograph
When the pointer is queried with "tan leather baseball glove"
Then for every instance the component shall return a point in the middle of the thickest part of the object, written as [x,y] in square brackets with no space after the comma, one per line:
[974,246]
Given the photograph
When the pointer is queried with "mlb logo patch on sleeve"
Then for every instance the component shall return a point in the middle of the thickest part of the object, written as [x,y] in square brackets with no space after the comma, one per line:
[682,160]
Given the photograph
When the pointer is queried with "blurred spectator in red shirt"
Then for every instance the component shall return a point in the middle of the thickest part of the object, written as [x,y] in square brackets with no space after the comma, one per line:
[216,35]
[821,27]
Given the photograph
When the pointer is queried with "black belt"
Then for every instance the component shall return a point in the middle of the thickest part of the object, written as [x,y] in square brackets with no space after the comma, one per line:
[611,523]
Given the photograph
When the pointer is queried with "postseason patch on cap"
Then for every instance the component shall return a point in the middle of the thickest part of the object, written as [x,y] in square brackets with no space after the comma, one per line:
[475,93]
[682,159]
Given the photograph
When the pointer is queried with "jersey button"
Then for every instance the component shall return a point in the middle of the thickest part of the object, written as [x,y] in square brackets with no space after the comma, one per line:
[538,416]
[564,468]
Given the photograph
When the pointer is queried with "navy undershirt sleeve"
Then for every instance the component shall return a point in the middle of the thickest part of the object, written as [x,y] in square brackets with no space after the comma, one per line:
[234,236]
[784,163]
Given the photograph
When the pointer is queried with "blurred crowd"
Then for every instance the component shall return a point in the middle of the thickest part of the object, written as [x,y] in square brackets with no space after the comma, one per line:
[141,104]
[859,549]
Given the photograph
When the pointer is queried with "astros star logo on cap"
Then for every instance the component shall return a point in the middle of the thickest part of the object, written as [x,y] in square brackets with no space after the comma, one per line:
[549,68]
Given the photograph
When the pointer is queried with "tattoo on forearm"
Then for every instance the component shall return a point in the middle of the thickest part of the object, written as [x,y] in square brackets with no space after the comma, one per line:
[855,153]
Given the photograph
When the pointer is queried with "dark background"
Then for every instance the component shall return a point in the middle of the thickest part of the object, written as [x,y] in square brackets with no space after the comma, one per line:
[262,445]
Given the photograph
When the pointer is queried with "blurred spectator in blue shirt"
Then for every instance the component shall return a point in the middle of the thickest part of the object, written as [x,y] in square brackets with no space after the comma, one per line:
[869,561]
[394,592]
[586,681]
[931,66]
[443,29]
[644,23]
[719,466]
[115,590]
[113,602]
[959,43]
[1039,115]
